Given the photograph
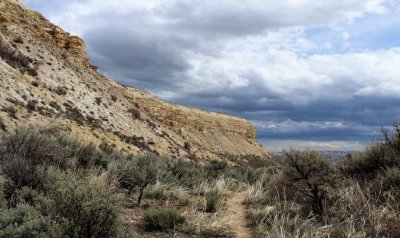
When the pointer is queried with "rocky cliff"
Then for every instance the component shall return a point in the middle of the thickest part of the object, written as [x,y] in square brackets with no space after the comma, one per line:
[47,79]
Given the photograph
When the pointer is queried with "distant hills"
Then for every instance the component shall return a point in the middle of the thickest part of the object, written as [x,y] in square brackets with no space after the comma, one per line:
[332,155]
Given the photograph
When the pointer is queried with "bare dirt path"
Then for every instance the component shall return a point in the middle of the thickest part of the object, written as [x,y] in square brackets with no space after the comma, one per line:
[237,211]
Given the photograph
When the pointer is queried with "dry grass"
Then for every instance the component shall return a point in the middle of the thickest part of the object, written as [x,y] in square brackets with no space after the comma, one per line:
[207,225]
[357,212]
[354,213]
[284,220]
[255,194]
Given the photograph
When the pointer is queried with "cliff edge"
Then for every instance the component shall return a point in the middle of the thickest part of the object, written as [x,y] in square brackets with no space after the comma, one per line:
[47,79]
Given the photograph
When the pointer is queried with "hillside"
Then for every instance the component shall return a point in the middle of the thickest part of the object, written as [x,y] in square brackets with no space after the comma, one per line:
[47,79]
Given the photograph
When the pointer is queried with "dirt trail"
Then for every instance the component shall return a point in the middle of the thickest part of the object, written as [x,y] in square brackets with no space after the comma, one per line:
[237,211]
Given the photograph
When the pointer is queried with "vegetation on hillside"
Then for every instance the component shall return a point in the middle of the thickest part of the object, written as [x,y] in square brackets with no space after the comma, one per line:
[52,185]
[309,196]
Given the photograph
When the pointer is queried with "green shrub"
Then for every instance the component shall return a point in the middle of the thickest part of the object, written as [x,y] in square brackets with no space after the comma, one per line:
[140,173]
[378,157]
[391,178]
[27,143]
[24,221]
[19,173]
[308,175]
[83,211]
[155,219]
[370,162]
[44,188]
[212,200]
[156,192]
[107,148]
[38,147]
[183,201]
[35,198]
[185,173]
[215,168]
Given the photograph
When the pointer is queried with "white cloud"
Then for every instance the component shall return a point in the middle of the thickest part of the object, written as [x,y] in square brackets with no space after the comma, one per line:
[301,80]
[216,17]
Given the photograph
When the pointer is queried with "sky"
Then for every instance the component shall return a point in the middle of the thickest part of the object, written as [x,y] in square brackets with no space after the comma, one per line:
[311,74]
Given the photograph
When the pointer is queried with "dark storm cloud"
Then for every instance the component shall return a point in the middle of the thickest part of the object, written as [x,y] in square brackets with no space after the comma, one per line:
[239,18]
[132,58]
[362,117]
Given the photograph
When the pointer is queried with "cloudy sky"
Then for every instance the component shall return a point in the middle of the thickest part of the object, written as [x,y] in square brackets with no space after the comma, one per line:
[317,74]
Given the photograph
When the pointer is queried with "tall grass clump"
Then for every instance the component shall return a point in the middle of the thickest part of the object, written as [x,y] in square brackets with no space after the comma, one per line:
[212,198]
[156,219]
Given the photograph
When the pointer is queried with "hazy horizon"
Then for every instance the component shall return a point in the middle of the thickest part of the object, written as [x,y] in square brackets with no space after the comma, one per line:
[307,74]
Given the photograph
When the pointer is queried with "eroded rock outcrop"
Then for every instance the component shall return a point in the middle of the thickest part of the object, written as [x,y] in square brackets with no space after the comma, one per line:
[62,89]
[73,44]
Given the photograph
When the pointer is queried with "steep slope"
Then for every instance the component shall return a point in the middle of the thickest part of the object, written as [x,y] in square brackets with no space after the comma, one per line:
[47,79]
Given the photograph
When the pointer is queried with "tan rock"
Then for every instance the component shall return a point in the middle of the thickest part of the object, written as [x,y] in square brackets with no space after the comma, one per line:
[73,96]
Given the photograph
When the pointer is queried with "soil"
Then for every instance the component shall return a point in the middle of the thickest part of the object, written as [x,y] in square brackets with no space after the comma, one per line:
[237,210]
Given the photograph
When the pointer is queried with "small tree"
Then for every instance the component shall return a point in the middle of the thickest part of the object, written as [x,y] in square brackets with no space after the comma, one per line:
[309,174]
[392,139]
[138,174]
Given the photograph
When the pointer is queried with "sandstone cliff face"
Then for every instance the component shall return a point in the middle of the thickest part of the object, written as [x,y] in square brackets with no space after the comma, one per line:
[56,85]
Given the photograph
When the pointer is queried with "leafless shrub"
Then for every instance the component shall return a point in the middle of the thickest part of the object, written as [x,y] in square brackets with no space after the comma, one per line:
[114,97]
[19,40]
[31,105]
[98,100]
[35,83]
[15,59]
[135,113]
[12,111]
[60,90]
[3,126]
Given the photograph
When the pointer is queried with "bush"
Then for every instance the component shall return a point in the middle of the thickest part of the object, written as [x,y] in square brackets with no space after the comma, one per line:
[3,126]
[24,221]
[33,197]
[19,173]
[370,162]
[31,105]
[75,208]
[215,168]
[212,200]
[391,179]
[83,211]
[60,90]
[98,100]
[140,173]
[114,97]
[309,175]
[50,187]
[157,191]
[187,174]
[183,201]
[135,113]
[155,219]
[382,155]
[27,143]
[46,147]
[15,59]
